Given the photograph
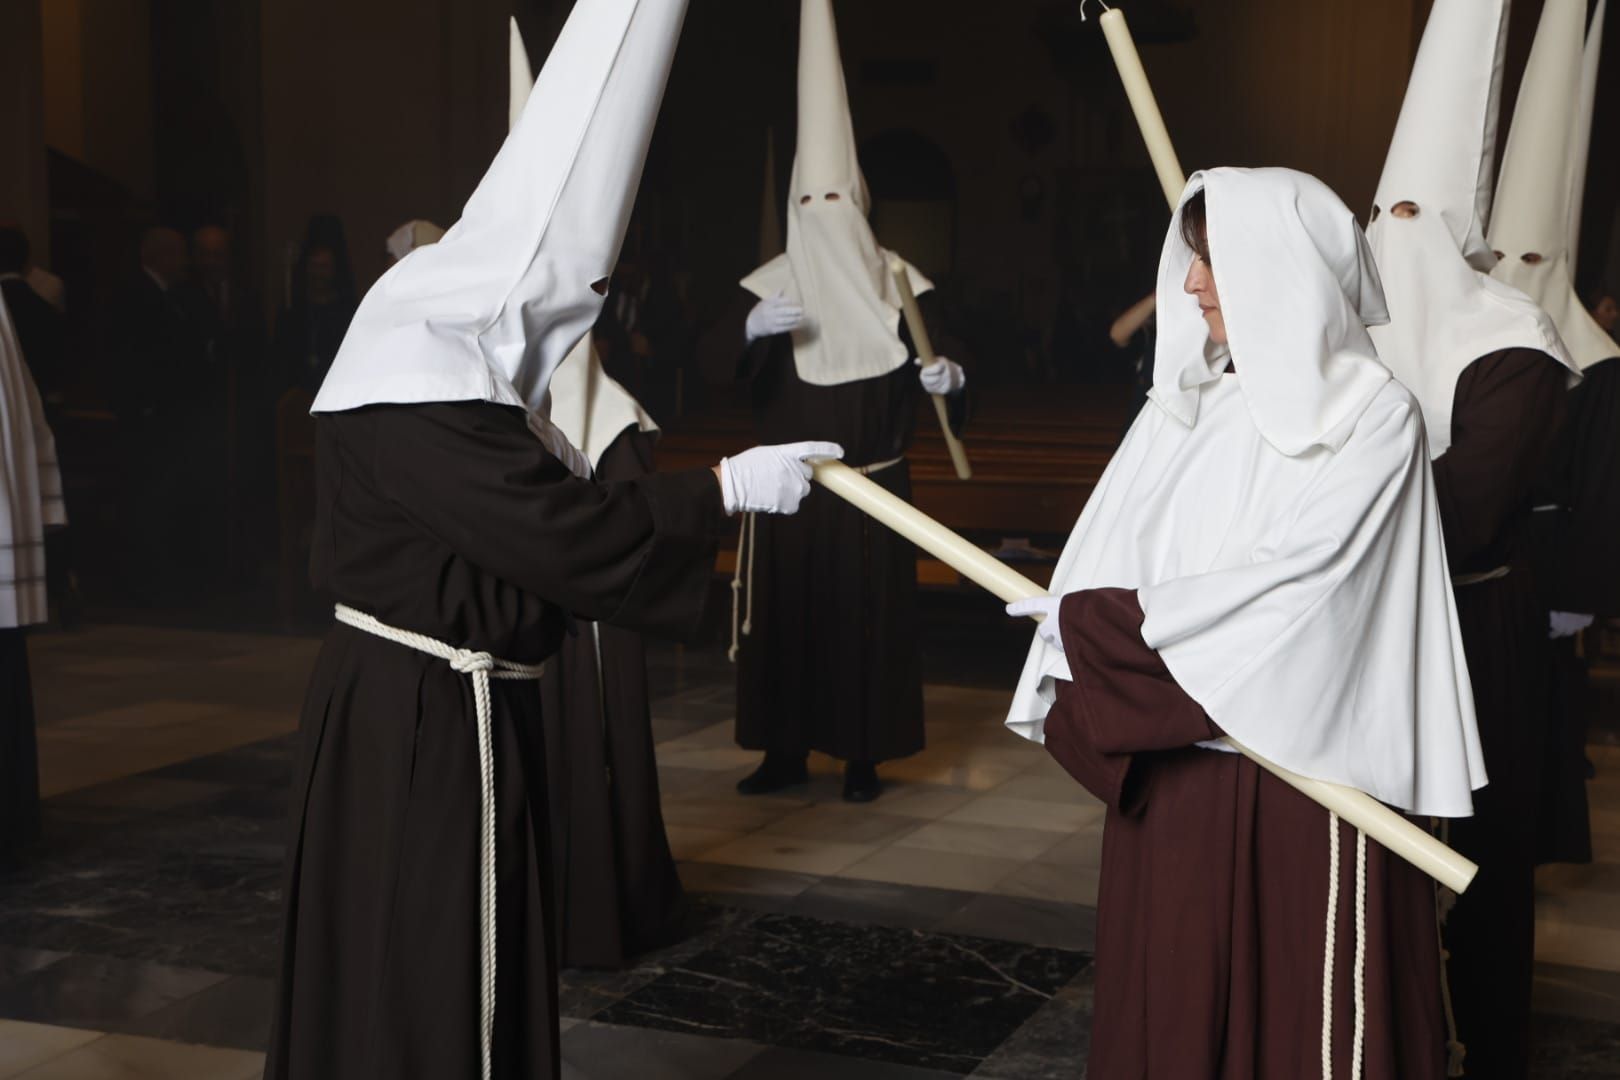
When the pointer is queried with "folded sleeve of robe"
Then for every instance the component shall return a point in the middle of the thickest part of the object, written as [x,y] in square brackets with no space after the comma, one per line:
[637,554]
[1123,701]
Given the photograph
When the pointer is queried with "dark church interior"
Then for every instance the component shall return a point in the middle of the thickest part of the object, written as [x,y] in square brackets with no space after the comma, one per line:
[202,193]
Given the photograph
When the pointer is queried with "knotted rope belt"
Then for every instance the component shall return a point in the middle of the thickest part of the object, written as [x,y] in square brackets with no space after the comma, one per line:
[742,580]
[482,667]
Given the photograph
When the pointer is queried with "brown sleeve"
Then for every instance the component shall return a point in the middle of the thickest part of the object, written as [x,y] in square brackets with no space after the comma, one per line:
[638,553]
[1505,411]
[1122,702]
[724,353]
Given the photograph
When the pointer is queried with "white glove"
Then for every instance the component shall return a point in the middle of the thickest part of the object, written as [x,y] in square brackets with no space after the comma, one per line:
[771,479]
[552,438]
[1563,624]
[943,377]
[774,315]
[1045,610]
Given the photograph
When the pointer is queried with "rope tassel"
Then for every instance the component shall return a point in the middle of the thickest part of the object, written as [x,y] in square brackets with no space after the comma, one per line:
[481,667]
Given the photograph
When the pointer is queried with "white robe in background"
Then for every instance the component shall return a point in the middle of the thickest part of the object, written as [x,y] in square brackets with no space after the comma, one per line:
[31,495]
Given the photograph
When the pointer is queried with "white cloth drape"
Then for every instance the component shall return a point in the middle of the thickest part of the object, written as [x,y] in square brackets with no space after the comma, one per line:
[31,495]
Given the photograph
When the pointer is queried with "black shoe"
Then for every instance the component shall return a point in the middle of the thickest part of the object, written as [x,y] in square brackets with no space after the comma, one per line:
[861,783]
[776,772]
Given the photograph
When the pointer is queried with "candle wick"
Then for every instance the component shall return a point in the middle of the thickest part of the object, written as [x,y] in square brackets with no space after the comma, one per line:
[1083,4]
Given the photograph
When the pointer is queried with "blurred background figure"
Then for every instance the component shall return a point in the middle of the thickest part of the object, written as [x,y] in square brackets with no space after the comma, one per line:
[320,303]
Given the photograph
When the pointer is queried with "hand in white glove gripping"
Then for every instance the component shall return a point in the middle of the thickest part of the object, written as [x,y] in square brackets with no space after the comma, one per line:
[774,315]
[1045,610]
[553,439]
[943,377]
[1563,624]
[771,479]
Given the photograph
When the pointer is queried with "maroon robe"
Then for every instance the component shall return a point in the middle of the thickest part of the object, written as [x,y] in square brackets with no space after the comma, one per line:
[1211,919]
[1505,412]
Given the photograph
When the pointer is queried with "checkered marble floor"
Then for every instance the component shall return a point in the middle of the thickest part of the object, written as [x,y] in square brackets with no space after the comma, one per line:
[979,843]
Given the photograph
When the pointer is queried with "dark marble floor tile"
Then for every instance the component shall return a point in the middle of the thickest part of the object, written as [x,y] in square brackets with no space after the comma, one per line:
[1562,1046]
[151,793]
[1053,1044]
[1035,922]
[880,903]
[895,995]
[234,1014]
[98,992]
[780,1064]
[604,1052]
[746,886]
[16,962]
[261,764]
[583,994]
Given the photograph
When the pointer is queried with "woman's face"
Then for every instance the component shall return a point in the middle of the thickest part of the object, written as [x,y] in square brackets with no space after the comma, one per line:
[1200,284]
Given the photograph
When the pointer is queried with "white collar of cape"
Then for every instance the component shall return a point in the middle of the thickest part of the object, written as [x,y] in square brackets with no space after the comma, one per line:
[490,311]
[851,330]
[590,407]
[1444,312]
[1543,171]
[1280,525]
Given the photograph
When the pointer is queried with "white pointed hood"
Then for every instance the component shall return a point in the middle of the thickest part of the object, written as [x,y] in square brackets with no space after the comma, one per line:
[1590,63]
[490,311]
[587,405]
[1530,226]
[833,265]
[1444,312]
[770,222]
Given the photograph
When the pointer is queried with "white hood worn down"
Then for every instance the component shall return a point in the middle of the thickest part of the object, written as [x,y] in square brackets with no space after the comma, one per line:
[1427,226]
[1279,521]
[30,486]
[834,268]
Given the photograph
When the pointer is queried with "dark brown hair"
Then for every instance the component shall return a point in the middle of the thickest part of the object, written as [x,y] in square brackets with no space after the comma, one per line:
[1195,225]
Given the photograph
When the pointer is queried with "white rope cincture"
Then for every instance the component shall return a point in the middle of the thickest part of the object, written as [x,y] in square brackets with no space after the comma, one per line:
[1356,1053]
[1444,899]
[1332,946]
[1358,1044]
[742,580]
[482,667]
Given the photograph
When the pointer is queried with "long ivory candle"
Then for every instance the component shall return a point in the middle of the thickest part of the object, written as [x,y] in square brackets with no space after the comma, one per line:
[1143,103]
[925,353]
[1372,817]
